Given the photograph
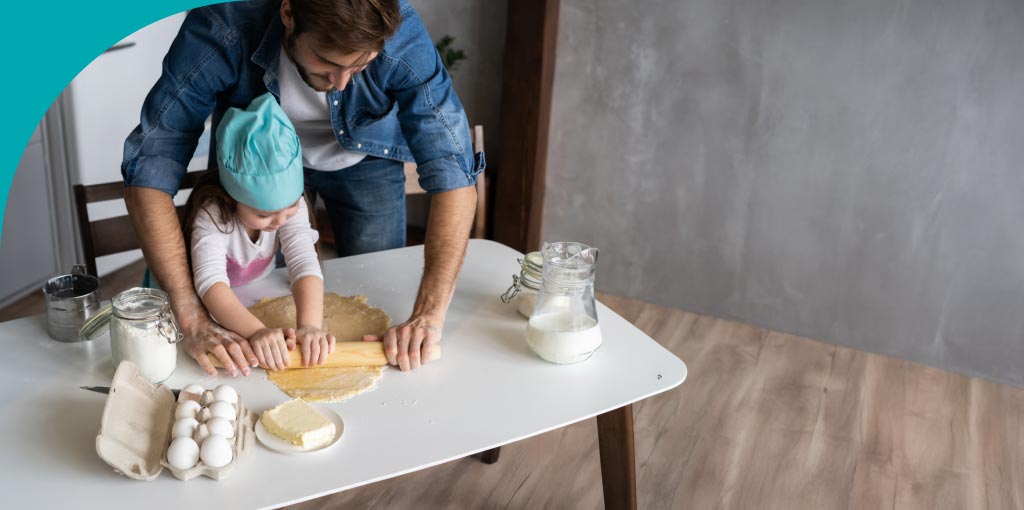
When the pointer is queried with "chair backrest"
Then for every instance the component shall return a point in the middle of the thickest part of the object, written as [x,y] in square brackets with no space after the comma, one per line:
[111,235]
[412,186]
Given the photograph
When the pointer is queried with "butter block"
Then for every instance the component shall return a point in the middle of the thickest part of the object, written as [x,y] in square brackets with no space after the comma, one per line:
[299,423]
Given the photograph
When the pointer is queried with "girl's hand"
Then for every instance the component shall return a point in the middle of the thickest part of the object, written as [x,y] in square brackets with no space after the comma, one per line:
[271,347]
[315,343]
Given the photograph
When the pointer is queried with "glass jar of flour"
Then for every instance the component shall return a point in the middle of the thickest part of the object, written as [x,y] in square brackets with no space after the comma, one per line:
[526,286]
[144,331]
[563,327]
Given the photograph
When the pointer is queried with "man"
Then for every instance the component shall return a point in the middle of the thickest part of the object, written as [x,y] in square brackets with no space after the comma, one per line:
[366,89]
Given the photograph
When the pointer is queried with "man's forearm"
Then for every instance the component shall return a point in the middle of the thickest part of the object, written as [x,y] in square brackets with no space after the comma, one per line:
[451,217]
[156,225]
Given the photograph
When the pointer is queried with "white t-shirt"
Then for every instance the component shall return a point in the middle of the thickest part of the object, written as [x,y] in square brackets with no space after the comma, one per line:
[223,252]
[311,115]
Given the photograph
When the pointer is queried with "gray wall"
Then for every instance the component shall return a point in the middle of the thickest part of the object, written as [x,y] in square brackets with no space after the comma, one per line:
[479,29]
[847,171]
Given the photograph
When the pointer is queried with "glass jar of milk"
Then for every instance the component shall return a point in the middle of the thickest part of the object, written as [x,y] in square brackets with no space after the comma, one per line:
[526,286]
[563,327]
[144,331]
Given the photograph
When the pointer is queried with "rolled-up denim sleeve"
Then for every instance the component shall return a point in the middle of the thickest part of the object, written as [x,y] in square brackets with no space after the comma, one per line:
[431,116]
[199,64]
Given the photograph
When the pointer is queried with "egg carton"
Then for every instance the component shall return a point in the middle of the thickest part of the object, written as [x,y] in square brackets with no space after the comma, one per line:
[136,429]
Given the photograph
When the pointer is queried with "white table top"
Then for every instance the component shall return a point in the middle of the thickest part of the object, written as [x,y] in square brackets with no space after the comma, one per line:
[487,391]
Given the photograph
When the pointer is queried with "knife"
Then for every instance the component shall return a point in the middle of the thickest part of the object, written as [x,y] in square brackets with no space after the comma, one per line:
[106,390]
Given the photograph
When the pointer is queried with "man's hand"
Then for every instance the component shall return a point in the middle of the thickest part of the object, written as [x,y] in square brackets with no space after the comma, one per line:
[234,352]
[315,345]
[408,344]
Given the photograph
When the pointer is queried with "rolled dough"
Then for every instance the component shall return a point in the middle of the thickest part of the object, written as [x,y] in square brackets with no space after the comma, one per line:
[348,319]
[326,384]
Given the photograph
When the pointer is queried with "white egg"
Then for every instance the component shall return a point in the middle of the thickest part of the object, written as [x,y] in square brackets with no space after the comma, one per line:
[201,433]
[223,410]
[225,393]
[184,427]
[187,409]
[207,398]
[204,415]
[183,453]
[216,452]
[195,389]
[191,392]
[221,427]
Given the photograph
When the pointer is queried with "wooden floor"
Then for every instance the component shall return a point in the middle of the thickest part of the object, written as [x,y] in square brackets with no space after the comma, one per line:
[764,421]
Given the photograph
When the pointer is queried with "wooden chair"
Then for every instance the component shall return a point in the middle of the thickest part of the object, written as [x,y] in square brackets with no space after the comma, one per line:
[412,188]
[111,235]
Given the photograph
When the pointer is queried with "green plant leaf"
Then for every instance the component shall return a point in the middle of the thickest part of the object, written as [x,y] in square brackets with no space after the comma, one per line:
[449,56]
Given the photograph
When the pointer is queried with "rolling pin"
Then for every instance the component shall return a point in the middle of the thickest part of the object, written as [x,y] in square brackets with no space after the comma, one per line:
[346,354]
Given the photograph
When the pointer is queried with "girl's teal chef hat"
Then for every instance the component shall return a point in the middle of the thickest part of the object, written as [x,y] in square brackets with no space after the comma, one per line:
[260,156]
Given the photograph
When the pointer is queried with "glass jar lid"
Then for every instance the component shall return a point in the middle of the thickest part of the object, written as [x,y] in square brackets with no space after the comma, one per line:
[533,268]
[530,277]
[139,303]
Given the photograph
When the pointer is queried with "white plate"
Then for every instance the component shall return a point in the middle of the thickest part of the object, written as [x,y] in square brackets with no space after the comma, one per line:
[280,445]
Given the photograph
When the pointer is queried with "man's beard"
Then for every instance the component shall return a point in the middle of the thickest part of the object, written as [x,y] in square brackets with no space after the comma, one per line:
[289,48]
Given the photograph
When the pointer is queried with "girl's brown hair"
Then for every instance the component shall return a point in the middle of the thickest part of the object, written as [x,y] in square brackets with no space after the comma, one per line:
[209,192]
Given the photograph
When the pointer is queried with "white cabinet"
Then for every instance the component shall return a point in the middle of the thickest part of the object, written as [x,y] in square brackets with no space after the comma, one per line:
[105,100]
[28,246]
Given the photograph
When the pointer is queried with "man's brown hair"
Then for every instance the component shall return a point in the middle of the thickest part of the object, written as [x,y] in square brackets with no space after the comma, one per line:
[347,26]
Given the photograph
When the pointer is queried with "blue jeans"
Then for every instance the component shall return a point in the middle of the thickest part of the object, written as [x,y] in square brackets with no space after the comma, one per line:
[365,203]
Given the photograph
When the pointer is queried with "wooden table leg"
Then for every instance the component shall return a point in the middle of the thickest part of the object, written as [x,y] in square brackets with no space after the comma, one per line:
[618,466]
[490,456]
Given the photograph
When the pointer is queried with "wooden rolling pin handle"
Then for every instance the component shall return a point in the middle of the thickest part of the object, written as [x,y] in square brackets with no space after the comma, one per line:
[346,354]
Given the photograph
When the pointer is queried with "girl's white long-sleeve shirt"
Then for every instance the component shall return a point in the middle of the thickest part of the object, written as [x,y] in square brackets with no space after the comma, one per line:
[223,252]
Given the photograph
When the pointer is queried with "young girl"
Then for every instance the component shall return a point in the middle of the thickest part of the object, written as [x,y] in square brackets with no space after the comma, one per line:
[234,219]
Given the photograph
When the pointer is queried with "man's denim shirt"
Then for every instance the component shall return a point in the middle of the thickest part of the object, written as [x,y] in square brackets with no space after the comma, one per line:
[402,106]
